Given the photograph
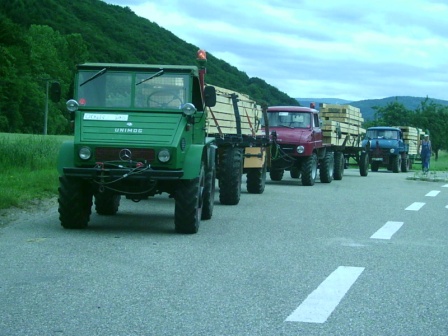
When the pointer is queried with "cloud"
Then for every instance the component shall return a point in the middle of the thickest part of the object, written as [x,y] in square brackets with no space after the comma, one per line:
[330,48]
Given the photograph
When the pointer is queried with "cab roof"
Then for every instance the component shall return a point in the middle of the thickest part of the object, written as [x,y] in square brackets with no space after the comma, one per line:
[138,67]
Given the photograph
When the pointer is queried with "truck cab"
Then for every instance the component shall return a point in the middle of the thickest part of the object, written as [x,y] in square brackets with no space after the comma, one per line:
[298,146]
[387,148]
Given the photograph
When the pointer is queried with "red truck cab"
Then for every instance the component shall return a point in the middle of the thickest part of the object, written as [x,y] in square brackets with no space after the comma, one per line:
[297,144]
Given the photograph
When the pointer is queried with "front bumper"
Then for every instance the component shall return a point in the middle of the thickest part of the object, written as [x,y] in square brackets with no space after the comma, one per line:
[119,173]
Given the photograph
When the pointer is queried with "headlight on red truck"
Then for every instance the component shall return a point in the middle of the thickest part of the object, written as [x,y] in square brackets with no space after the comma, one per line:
[300,149]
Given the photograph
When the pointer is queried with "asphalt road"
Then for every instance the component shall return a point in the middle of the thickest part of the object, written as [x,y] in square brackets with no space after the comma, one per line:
[361,256]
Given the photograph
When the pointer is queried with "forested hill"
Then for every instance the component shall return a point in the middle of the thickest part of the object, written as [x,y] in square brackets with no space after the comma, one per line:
[45,39]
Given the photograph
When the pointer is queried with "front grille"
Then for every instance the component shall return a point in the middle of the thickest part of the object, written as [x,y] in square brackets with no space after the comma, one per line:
[113,154]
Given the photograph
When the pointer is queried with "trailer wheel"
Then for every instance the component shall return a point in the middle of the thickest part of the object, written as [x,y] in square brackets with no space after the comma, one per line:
[256,180]
[339,165]
[75,203]
[396,164]
[294,172]
[364,164]
[188,206]
[107,203]
[230,175]
[405,164]
[309,170]
[375,166]
[209,194]
[276,174]
[327,168]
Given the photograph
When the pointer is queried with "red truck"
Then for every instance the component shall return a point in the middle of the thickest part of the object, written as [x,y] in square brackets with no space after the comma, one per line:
[298,146]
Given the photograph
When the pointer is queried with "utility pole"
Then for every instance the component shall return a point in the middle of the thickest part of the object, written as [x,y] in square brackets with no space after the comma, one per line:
[55,92]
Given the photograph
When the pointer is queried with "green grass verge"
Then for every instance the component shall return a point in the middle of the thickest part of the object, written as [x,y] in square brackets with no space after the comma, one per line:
[29,168]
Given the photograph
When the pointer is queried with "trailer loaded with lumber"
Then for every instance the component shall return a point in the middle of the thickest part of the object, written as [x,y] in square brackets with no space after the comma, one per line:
[241,147]
[342,128]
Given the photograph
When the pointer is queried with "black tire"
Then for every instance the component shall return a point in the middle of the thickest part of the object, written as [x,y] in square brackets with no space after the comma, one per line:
[188,206]
[256,180]
[276,174]
[208,194]
[107,203]
[405,164]
[75,203]
[309,170]
[230,175]
[326,170]
[364,164]
[339,166]
[294,172]
[375,165]
[396,164]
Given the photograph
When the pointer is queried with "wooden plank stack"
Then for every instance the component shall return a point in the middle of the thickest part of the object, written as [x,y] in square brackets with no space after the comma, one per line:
[340,122]
[221,118]
[411,136]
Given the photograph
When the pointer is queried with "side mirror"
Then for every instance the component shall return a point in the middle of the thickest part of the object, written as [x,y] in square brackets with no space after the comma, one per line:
[55,92]
[210,96]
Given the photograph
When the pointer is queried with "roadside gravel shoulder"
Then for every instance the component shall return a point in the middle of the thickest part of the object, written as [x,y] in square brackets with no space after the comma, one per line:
[27,212]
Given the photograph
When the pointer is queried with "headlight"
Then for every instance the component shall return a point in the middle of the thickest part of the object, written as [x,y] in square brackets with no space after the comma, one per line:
[72,105]
[188,109]
[84,153]
[300,149]
[392,150]
[164,155]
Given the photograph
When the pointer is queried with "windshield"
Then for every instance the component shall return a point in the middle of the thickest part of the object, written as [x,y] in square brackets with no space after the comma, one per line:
[382,134]
[289,119]
[132,90]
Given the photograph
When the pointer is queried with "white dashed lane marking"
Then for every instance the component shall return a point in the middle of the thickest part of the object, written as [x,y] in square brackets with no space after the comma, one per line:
[433,193]
[416,206]
[445,186]
[318,306]
[387,231]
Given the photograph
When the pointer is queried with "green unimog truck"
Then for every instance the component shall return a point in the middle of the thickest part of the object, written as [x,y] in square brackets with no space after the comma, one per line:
[139,131]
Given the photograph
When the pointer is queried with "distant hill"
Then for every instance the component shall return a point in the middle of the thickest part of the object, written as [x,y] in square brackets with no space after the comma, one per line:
[366,106]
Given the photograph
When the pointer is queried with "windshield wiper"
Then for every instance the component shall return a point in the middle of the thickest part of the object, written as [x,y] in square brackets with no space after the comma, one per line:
[99,73]
[157,74]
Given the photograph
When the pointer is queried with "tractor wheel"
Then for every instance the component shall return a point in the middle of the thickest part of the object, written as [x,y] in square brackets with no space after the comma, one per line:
[188,205]
[230,175]
[375,166]
[339,165]
[75,203]
[294,172]
[327,168]
[405,165]
[364,164]
[208,194]
[256,180]
[309,170]
[107,203]
[276,174]
[396,164]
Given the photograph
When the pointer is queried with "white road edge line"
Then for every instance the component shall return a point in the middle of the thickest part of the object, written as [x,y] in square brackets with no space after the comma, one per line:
[433,193]
[319,305]
[387,231]
[416,206]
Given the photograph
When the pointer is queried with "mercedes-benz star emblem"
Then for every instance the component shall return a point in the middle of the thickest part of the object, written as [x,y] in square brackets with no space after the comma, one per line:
[125,154]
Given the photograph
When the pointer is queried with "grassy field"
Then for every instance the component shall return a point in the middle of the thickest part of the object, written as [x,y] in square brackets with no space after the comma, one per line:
[29,168]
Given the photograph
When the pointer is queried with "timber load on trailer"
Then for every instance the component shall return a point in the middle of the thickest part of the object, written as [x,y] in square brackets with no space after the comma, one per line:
[234,124]
[342,128]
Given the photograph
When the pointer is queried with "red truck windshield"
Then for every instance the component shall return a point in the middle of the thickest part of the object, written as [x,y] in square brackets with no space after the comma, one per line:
[289,119]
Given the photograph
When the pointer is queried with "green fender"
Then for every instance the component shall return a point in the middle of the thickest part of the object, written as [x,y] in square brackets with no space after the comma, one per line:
[65,157]
[193,162]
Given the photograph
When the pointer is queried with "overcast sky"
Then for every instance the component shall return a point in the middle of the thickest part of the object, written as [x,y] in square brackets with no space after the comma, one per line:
[348,49]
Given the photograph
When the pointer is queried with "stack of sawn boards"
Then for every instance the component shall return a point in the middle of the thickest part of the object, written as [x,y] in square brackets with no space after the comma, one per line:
[340,122]
[221,118]
[411,136]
